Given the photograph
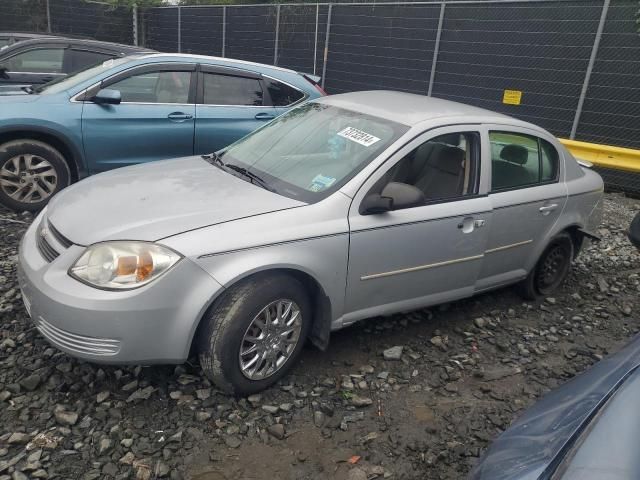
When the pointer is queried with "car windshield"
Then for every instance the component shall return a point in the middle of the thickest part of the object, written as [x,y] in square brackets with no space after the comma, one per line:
[311,151]
[65,83]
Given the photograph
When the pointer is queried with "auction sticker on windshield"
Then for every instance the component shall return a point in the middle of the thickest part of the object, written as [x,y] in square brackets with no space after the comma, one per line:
[358,136]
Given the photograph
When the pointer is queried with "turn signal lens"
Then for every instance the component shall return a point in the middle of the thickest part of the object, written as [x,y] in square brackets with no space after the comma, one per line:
[123,265]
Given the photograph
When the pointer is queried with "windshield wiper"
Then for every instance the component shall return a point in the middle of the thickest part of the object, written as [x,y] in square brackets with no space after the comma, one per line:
[215,159]
[255,179]
[29,89]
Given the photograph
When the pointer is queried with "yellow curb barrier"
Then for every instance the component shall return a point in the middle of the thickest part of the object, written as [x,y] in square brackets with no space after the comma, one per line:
[606,156]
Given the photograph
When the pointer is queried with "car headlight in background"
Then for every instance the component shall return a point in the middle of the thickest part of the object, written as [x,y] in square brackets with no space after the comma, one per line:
[122,265]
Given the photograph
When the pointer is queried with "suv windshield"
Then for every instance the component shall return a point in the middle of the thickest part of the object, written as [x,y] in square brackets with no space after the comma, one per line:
[65,83]
[311,151]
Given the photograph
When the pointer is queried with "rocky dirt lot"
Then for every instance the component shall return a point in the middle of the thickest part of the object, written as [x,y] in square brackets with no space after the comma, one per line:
[418,395]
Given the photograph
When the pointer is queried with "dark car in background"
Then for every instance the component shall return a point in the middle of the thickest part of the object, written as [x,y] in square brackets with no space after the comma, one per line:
[42,60]
[9,38]
[588,429]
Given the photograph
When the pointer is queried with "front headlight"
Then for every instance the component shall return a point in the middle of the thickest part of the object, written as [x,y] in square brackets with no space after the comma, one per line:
[122,265]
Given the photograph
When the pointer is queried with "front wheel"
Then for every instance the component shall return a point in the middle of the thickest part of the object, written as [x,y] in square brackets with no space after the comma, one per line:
[31,172]
[254,334]
[551,270]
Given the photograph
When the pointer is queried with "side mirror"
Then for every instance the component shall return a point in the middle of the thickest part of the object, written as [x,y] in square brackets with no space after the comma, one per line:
[395,196]
[107,96]
[3,71]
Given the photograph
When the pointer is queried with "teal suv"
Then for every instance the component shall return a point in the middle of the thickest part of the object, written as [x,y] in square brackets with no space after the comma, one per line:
[133,110]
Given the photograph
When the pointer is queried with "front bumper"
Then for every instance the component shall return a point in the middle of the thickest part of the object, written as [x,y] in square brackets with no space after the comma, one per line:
[151,324]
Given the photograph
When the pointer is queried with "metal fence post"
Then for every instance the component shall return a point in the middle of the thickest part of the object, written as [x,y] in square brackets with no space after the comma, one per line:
[436,49]
[275,47]
[134,18]
[224,29]
[48,17]
[587,75]
[326,46]
[179,29]
[315,42]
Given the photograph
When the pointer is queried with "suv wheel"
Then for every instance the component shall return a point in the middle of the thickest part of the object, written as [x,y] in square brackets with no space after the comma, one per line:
[551,270]
[31,172]
[254,333]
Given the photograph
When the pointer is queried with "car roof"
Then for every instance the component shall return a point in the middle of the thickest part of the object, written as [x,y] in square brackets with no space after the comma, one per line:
[78,41]
[209,58]
[411,109]
[26,34]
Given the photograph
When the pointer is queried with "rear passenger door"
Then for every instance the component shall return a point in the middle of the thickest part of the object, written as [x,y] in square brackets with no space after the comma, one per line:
[527,195]
[230,104]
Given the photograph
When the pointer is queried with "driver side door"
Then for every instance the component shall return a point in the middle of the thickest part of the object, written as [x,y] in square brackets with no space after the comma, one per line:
[428,254]
[155,119]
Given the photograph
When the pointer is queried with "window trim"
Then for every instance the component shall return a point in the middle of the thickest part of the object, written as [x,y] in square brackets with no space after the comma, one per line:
[538,140]
[476,167]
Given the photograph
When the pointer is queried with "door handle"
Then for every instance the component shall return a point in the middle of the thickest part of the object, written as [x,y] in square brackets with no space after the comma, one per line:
[264,116]
[547,209]
[468,224]
[179,116]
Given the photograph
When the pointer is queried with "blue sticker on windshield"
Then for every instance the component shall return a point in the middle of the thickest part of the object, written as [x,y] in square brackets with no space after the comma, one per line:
[320,182]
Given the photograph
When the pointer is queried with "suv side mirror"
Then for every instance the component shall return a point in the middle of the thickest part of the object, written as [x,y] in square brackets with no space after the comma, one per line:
[395,196]
[107,96]
[3,71]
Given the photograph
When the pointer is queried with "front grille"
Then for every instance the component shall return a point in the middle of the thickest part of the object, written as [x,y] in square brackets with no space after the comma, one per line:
[77,343]
[48,252]
[61,239]
[50,241]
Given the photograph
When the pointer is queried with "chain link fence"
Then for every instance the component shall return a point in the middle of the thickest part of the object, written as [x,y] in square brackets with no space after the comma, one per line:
[576,63]
[95,20]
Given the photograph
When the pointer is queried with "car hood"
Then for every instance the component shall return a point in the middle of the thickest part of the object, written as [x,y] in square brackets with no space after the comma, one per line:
[538,441]
[13,94]
[158,200]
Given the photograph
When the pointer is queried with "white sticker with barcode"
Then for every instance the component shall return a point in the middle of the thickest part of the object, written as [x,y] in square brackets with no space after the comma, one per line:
[358,136]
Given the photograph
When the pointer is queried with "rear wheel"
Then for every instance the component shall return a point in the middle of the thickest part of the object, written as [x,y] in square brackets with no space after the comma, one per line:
[254,334]
[551,270]
[31,172]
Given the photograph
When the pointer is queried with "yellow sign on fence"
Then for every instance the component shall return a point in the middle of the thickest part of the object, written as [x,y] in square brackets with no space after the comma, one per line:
[512,97]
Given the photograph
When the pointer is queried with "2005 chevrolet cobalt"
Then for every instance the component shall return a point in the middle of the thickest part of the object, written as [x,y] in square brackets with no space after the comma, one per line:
[346,207]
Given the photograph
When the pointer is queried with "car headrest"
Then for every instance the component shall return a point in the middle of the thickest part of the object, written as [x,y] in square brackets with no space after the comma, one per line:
[447,159]
[450,139]
[515,154]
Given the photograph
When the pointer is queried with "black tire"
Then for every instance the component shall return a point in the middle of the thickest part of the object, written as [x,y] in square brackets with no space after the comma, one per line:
[26,147]
[223,328]
[551,270]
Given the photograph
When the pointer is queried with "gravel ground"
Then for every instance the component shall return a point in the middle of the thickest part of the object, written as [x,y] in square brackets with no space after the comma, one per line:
[417,395]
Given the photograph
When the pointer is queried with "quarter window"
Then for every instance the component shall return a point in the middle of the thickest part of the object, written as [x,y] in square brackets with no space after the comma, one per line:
[283,95]
[443,168]
[155,87]
[232,90]
[519,160]
[41,60]
[83,59]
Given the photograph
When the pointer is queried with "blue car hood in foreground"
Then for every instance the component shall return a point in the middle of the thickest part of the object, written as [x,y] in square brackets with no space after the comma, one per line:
[538,441]
[157,200]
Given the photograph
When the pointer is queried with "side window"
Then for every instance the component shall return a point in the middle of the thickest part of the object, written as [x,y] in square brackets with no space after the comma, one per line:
[282,95]
[83,59]
[520,160]
[444,168]
[41,60]
[231,90]
[154,87]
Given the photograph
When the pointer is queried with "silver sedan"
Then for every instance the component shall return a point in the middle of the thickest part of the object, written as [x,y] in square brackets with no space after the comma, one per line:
[344,208]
